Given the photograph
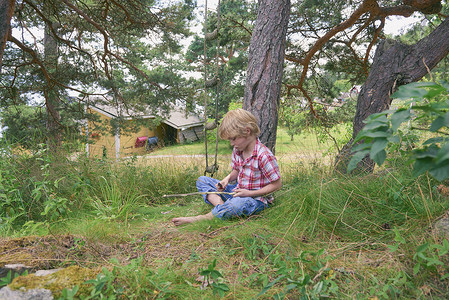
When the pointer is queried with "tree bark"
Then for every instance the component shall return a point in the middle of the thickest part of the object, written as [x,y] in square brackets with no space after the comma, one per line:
[6,11]
[52,94]
[265,67]
[394,64]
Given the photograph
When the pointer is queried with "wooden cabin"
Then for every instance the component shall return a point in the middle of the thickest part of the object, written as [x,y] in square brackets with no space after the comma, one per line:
[177,127]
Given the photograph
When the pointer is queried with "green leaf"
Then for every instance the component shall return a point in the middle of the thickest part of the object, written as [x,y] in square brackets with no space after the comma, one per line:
[378,146]
[377,134]
[434,90]
[422,165]
[379,157]
[399,117]
[434,140]
[441,172]
[416,268]
[412,90]
[317,288]
[362,146]
[434,261]
[443,154]
[445,84]
[398,238]
[379,120]
[444,249]
[393,248]
[440,122]
[429,152]
[362,136]
[380,117]
[6,280]
[356,158]
[270,285]
[394,139]
[422,248]
[376,126]
[215,274]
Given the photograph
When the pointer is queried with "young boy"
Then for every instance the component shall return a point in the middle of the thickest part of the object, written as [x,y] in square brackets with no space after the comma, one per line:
[254,168]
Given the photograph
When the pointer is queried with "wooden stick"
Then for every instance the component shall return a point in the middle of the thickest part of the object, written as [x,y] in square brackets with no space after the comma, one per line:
[198,193]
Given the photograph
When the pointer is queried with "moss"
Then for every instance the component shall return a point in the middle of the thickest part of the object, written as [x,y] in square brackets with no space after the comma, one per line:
[56,282]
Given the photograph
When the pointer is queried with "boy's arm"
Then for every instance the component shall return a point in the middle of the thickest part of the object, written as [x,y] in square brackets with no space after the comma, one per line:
[268,189]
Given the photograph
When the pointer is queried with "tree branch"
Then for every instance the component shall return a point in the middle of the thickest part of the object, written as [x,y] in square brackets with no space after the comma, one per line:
[375,12]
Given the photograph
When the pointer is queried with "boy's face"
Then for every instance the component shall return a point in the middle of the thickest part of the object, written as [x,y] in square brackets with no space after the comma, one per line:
[238,142]
[241,143]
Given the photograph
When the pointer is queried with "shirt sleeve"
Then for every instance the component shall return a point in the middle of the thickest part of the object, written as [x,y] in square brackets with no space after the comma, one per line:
[269,167]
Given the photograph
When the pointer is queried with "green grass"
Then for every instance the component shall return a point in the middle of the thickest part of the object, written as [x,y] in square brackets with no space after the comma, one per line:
[327,235]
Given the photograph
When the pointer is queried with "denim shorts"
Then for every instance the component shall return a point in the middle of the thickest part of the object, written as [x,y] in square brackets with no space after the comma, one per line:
[233,207]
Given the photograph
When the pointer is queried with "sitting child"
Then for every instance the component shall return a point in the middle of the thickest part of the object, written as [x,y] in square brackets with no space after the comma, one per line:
[254,167]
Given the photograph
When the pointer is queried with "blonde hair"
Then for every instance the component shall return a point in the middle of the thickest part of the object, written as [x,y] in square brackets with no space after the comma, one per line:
[235,124]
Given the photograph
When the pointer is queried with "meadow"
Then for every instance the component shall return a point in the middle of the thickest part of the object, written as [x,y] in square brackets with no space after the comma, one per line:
[328,235]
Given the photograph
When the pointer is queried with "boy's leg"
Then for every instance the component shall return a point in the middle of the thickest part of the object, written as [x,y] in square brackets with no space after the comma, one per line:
[203,184]
[207,184]
[238,207]
[214,199]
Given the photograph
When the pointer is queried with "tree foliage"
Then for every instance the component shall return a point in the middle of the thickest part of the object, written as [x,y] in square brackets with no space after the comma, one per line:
[116,50]
[342,34]
[228,51]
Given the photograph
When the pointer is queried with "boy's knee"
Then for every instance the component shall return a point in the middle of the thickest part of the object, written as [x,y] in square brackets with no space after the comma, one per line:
[201,181]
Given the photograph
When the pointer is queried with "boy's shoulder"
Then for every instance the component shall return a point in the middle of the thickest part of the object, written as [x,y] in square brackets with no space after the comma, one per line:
[263,150]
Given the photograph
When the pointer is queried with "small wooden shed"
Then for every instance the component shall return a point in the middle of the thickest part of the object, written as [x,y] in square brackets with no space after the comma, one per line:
[177,127]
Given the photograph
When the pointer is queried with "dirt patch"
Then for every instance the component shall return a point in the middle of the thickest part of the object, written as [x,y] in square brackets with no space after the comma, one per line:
[36,252]
[46,252]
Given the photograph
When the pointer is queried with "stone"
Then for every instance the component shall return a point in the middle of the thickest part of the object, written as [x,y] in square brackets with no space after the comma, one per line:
[441,227]
[46,272]
[35,294]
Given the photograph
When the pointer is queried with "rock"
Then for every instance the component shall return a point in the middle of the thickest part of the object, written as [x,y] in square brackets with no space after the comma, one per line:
[46,272]
[36,294]
[441,227]
[48,284]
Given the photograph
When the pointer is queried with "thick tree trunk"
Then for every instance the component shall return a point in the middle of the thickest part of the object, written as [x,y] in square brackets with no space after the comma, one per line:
[6,11]
[394,64]
[52,95]
[265,67]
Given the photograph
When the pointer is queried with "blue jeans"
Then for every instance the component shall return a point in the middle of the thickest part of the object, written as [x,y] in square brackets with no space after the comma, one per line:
[233,207]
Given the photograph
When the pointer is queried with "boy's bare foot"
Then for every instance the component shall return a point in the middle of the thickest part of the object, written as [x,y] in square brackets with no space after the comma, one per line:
[183,220]
[186,220]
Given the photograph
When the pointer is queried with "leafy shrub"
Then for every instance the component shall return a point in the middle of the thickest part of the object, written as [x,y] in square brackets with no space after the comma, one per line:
[382,129]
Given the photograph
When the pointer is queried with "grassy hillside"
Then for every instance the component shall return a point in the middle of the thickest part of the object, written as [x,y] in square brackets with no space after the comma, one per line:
[327,235]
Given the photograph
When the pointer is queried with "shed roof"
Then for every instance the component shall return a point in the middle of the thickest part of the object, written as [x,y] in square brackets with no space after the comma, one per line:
[181,120]
[176,117]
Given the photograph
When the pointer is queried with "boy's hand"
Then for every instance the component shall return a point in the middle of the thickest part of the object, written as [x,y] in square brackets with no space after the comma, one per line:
[242,193]
[221,186]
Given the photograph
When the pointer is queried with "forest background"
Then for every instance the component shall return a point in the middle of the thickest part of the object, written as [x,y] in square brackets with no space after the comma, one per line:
[373,234]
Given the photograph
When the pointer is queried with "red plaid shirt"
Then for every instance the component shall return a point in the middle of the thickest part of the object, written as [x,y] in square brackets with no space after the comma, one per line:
[256,171]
